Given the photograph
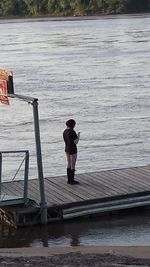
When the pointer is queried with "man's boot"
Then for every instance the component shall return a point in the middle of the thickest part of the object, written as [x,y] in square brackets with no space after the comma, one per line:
[69,175]
[72,181]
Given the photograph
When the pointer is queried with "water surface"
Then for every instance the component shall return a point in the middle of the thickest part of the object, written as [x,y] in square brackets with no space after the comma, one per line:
[95,71]
[125,229]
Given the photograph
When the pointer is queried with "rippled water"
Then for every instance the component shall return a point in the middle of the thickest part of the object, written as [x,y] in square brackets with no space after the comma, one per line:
[95,71]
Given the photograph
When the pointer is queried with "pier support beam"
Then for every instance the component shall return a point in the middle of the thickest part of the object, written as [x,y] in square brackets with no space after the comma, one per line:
[34,103]
[39,162]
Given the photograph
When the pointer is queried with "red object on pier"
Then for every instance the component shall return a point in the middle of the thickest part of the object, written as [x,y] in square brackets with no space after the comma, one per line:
[6,85]
[7,75]
[3,92]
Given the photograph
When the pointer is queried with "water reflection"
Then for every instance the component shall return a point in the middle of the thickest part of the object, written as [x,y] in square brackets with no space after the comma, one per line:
[6,231]
[126,228]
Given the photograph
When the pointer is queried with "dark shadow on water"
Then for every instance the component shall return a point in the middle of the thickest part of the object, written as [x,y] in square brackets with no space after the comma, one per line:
[127,227]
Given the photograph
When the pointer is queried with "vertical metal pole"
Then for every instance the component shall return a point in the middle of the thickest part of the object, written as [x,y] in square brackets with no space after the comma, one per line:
[26,171]
[39,162]
[0,172]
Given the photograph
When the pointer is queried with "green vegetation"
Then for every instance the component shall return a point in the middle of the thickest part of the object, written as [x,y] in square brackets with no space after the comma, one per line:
[71,7]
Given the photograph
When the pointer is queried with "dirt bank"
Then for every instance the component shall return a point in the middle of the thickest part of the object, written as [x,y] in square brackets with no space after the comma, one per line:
[75,257]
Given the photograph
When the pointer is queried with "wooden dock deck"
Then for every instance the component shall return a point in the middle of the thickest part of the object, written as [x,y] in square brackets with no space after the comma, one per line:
[97,192]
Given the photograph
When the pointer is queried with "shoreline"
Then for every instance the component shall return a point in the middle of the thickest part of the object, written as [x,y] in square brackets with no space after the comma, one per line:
[76,256]
[72,18]
[140,252]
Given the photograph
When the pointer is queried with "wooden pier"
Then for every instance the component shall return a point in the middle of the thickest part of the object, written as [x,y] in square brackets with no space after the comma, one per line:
[98,192]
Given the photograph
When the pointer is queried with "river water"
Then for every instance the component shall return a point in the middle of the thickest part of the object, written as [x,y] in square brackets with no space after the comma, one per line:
[93,70]
[125,229]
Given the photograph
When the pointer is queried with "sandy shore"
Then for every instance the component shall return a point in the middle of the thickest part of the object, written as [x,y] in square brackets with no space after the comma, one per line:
[76,256]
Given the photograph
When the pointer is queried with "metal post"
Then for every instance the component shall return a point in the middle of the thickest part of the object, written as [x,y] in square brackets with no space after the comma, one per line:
[26,171]
[0,172]
[39,162]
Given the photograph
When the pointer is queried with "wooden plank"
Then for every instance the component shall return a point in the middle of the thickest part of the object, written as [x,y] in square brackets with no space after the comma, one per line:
[110,177]
[11,186]
[144,174]
[51,196]
[136,172]
[88,191]
[146,168]
[33,190]
[76,191]
[137,179]
[127,180]
[59,190]
[66,189]
[33,186]
[94,190]
[5,190]
[107,181]
[99,184]
[113,181]
[62,196]
[84,186]
[123,183]
[133,172]
[11,189]
[80,188]
[123,180]
[19,185]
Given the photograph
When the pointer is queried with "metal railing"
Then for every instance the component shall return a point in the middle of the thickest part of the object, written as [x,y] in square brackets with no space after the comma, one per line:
[25,161]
